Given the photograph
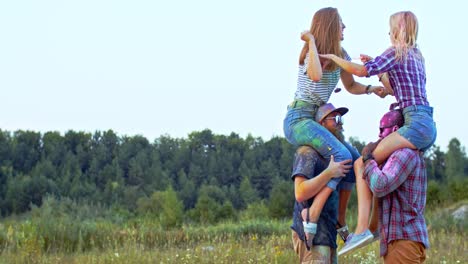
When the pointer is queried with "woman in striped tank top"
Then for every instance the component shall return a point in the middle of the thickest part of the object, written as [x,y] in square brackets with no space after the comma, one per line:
[317,79]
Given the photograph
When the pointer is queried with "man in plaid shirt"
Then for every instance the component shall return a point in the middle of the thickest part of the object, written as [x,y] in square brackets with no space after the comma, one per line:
[400,185]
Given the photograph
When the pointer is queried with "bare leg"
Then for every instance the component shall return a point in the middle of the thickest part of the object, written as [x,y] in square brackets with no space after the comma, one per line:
[319,201]
[374,224]
[315,209]
[387,146]
[364,196]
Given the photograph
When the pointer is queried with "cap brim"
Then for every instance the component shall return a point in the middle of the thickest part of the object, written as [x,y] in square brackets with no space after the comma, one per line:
[341,110]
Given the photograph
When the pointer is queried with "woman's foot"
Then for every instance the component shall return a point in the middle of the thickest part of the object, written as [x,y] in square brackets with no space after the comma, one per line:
[356,241]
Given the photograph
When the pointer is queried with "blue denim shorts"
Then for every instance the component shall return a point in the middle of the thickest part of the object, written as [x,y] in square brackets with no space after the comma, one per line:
[419,127]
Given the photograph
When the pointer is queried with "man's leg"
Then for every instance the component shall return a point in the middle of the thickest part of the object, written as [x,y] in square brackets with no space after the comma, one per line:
[322,255]
[299,247]
[333,256]
[341,226]
[343,205]
[317,254]
[405,251]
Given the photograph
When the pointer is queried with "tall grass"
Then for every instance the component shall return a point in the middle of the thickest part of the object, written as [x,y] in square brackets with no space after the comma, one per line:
[51,236]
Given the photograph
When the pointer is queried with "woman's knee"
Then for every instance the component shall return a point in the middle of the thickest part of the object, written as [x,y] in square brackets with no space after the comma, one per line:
[346,154]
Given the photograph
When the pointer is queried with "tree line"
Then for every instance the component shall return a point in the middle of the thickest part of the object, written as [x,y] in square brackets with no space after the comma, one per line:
[206,177]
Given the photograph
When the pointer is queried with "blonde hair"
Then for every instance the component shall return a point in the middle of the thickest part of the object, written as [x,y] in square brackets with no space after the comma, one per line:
[404,33]
[326,29]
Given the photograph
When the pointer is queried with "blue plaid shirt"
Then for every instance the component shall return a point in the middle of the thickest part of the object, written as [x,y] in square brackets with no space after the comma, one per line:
[309,164]
[401,187]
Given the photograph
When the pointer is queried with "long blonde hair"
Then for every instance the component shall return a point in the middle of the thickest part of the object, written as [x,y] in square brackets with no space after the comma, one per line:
[404,33]
[326,29]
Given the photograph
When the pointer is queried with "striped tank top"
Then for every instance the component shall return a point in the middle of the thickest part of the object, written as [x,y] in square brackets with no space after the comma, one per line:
[317,93]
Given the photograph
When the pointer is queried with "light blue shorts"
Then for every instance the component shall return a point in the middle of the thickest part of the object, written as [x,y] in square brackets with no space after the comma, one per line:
[419,127]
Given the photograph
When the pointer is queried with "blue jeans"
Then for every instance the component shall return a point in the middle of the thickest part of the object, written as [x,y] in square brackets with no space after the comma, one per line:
[300,128]
[419,127]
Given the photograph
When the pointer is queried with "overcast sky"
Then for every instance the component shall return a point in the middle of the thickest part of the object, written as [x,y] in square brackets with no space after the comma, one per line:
[174,67]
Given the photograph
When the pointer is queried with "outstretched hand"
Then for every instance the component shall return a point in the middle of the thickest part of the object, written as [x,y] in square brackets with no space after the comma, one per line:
[339,169]
[325,59]
[365,58]
[327,56]
[380,91]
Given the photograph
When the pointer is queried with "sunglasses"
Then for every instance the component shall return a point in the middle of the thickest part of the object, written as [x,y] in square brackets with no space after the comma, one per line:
[338,119]
[385,127]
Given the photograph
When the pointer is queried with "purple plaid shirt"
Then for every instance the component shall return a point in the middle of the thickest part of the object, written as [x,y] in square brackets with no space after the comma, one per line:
[401,188]
[407,77]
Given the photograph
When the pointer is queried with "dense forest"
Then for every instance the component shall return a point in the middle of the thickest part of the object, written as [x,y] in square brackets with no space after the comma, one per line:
[205,177]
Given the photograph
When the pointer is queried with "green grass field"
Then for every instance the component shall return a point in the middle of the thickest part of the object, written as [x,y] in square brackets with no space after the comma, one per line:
[63,239]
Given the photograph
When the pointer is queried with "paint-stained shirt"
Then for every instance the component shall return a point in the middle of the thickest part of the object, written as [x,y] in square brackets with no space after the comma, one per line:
[401,187]
[308,163]
[317,93]
[407,76]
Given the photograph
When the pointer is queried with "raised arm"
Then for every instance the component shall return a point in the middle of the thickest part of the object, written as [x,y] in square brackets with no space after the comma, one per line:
[314,69]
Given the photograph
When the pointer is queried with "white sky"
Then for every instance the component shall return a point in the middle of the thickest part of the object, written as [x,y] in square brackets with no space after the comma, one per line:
[174,67]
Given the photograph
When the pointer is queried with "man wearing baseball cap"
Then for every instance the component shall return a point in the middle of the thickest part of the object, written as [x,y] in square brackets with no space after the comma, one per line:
[311,174]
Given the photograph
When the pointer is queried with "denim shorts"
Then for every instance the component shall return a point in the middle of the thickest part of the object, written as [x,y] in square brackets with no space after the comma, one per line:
[419,127]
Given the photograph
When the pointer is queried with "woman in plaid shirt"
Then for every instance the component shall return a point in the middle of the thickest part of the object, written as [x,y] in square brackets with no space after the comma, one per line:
[402,66]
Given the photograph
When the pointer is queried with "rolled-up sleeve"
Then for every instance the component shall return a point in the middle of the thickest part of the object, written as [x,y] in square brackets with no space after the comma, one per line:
[346,55]
[305,160]
[382,63]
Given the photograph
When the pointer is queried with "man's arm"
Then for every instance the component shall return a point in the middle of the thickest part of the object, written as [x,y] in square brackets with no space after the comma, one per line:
[395,171]
[305,189]
[306,184]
